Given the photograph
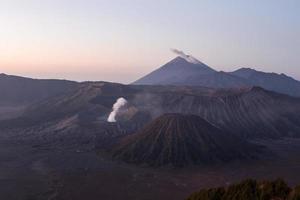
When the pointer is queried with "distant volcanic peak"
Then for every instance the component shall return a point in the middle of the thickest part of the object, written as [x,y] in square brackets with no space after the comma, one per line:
[188,58]
[175,71]
[178,140]
[182,61]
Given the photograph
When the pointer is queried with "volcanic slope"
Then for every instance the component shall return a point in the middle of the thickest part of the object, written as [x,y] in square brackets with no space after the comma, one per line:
[180,71]
[178,140]
[249,112]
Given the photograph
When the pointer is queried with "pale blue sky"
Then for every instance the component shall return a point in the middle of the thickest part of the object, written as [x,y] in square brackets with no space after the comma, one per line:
[120,40]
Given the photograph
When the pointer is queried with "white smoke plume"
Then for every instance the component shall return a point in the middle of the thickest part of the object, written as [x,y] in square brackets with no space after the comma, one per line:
[188,58]
[120,103]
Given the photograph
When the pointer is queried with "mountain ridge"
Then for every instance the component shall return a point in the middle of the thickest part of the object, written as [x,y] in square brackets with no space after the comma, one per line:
[251,112]
[17,90]
[270,80]
[181,72]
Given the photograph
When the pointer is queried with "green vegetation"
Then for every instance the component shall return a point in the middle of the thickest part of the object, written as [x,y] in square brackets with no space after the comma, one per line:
[250,190]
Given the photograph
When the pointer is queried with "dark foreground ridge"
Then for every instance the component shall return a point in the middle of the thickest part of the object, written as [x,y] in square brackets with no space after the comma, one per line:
[179,139]
[250,190]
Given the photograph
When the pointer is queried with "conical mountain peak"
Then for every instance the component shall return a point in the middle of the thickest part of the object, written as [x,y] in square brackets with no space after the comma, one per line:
[177,70]
[178,140]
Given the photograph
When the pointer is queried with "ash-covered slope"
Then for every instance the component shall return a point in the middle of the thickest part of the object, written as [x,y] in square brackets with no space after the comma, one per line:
[176,71]
[78,118]
[178,140]
[214,80]
[181,71]
[90,100]
[247,112]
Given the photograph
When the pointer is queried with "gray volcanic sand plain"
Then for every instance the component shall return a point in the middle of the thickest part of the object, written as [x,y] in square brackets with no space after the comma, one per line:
[65,172]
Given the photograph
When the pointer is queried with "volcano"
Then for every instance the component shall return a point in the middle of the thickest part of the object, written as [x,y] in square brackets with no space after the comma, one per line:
[188,71]
[177,70]
[180,71]
[178,140]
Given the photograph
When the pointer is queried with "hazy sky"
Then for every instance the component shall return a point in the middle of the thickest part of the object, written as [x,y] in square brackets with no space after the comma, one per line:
[120,40]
